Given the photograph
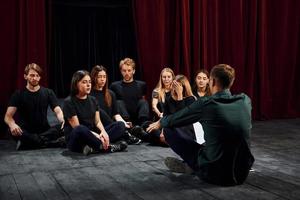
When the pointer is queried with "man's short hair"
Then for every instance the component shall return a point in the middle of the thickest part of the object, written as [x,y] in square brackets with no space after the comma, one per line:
[34,67]
[127,61]
[224,74]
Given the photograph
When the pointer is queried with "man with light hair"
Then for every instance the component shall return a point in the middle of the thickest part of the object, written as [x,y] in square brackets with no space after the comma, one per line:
[130,94]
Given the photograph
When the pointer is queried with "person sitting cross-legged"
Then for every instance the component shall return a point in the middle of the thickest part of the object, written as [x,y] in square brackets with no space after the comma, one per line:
[32,129]
[84,130]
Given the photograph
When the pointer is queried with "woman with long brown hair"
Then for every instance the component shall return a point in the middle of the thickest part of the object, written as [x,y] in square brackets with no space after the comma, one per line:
[107,101]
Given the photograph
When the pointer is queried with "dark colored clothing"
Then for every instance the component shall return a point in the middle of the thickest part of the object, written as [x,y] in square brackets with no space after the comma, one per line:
[226,121]
[171,106]
[160,105]
[113,109]
[85,110]
[106,112]
[131,104]
[81,136]
[32,108]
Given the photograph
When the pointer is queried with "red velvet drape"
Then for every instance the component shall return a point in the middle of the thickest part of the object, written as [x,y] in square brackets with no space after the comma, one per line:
[23,41]
[260,39]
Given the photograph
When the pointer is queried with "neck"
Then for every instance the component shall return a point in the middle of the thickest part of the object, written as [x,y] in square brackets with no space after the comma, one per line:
[201,89]
[81,96]
[32,88]
[98,88]
[129,81]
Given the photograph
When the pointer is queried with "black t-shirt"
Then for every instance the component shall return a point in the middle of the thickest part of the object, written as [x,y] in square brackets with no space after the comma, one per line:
[84,109]
[32,108]
[130,93]
[171,106]
[111,111]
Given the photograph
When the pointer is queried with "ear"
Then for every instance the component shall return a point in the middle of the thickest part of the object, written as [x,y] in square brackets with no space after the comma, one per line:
[214,82]
[133,71]
[25,76]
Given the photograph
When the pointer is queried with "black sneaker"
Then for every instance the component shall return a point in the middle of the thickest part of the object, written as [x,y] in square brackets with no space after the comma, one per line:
[119,146]
[178,166]
[130,139]
[87,150]
[138,132]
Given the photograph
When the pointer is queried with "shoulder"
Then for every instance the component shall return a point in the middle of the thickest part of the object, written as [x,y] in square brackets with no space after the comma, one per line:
[111,92]
[47,91]
[142,83]
[68,99]
[116,83]
[243,96]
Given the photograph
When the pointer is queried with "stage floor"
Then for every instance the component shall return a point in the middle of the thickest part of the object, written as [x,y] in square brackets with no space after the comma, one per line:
[140,173]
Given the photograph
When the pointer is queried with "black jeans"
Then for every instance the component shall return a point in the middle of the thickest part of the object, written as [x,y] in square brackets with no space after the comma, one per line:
[32,140]
[81,136]
[139,115]
[184,145]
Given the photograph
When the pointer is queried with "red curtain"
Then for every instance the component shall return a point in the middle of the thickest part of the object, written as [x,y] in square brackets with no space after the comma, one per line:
[260,39]
[23,41]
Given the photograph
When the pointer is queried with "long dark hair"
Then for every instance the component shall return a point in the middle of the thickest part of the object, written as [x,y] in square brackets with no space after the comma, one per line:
[96,69]
[77,76]
[195,88]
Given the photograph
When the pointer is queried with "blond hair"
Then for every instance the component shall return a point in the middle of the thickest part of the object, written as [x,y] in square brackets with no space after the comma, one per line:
[127,61]
[160,87]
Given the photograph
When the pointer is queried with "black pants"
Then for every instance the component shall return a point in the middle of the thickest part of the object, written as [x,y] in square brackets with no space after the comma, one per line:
[81,136]
[137,116]
[184,145]
[153,137]
[47,138]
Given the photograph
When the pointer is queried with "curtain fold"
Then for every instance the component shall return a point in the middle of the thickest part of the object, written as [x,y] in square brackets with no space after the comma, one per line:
[23,41]
[260,39]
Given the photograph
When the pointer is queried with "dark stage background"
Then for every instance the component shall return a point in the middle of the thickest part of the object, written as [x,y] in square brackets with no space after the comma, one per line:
[260,39]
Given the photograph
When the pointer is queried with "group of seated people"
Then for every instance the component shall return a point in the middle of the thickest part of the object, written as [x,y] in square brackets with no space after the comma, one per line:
[96,118]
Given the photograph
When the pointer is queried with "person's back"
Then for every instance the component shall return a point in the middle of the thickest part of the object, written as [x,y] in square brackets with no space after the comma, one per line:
[227,124]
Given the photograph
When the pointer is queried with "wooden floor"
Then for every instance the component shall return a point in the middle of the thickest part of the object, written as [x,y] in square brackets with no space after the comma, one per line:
[141,174]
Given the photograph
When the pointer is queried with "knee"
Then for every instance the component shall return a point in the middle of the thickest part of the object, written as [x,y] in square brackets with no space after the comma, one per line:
[120,125]
[143,102]
[167,132]
[80,129]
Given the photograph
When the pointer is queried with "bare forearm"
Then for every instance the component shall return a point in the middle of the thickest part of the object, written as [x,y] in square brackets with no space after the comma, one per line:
[59,114]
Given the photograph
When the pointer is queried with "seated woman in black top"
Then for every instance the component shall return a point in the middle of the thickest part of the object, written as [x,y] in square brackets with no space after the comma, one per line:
[84,130]
[107,102]
[162,90]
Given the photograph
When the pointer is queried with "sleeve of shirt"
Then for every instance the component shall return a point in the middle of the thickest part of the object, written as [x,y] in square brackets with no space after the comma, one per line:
[188,115]
[155,94]
[15,99]
[94,103]
[144,88]
[53,101]
[69,108]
